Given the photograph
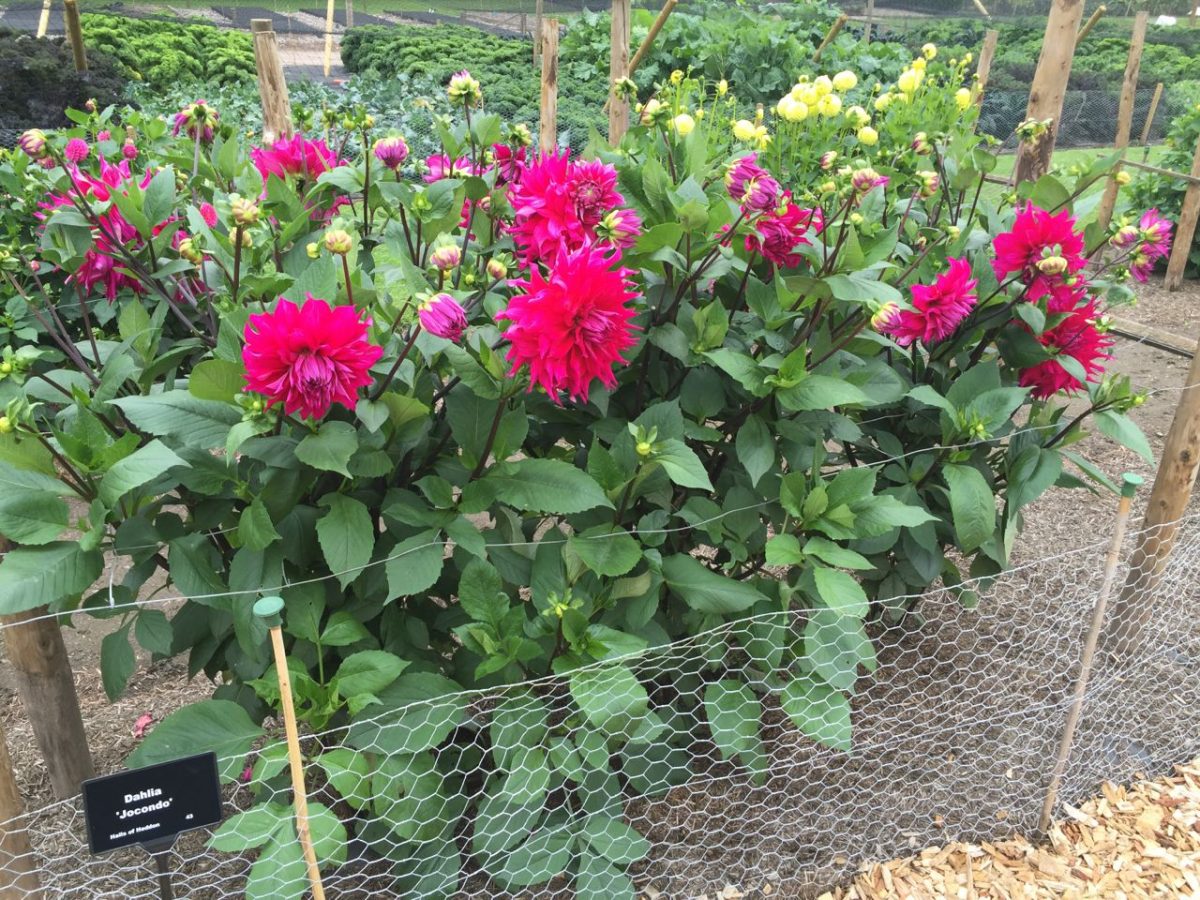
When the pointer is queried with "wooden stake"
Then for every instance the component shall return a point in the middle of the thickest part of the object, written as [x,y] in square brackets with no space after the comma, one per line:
[984,70]
[548,123]
[1185,228]
[838,24]
[1192,13]
[1124,115]
[349,13]
[1159,170]
[269,609]
[1049,87]
[870,19]
[44,21]
[329,36]
[42,670]
[75,34]
[1128,489]
[538,11]
[18,869]
[1095,17]
[1173,484]
[655,28]
[1158,92]
[272,84]
[618,67]
[982,9]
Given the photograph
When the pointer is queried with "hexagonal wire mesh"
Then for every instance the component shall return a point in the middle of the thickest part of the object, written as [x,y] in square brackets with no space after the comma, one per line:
[955,737]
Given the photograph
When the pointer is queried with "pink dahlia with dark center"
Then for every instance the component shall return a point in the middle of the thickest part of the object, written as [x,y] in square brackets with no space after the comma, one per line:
[938,308]
[593,189]
[308,357]
[1078,337]
[779,234]
[1036,236]
[296,156]
[571,327]
[750,185]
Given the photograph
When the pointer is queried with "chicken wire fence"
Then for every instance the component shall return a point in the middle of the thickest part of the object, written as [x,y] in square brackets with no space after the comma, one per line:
[954,739]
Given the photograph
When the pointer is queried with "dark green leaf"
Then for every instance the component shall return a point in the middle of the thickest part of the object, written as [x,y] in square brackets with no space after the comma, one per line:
[704,590]
[33,577]
[221,726]
[818,711]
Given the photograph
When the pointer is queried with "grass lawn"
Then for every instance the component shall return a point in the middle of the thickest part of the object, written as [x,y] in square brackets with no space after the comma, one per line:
[1065,158]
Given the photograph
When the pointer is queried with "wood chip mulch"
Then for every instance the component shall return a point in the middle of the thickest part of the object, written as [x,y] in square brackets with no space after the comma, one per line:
[1135,842]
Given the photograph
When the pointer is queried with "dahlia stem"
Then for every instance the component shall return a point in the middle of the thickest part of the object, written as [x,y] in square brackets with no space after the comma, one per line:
[195,162]
[366,187]
[237,260]
[87,325]
[387,380]
[346,274]
[491,438]
[407,233]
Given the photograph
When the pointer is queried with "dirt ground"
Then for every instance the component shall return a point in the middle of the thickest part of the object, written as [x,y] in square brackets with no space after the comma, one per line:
[1058,522]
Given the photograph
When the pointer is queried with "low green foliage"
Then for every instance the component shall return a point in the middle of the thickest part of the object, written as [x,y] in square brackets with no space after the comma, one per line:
[38,81]
[1164,192]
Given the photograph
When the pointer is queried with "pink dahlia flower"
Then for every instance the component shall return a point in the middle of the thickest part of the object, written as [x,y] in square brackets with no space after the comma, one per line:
[308,357]
[1036,236]
[779,234]
[208,213]
[296,156]
[441,166]
[76,151]
[443,316]
[391,152]
[196,120]
[938,309]
[1064,297]
[620,229]
[1078,337]
[571,327]
[1156,230]
[750,185]
[509,161]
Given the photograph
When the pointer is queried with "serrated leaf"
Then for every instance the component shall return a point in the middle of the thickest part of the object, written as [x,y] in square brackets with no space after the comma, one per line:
[330,448]
[33,577]
[345,536]
[704,590]
[606,550]
[818,711]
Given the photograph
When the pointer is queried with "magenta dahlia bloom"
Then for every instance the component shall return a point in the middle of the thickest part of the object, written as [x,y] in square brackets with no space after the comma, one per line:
[778,234]
[1156,230]
[1036,238]
[76,151]
[1064,297]
[938,309]
[33,143]
[308,357]
[391,152]
[443,316]
[620,229]
[196,120]
[440,166]
[208,213]
[571,327]
[1078,337]
[509,161]
[296,156]
[129,150]
[750,185]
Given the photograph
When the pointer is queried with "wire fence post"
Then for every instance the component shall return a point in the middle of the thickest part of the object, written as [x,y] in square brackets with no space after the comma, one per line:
[1185,228]
[272,84]
[75,34]
[870,20]
[1124,115]
[1154,101]
[987,53]
[538,13]
[44,19]
[655,28]
[548,119]
[329,36]
[18,866]
[834,30]
[1095,17]
[1049,88]
[349,13]
[1128,489]
[618,68]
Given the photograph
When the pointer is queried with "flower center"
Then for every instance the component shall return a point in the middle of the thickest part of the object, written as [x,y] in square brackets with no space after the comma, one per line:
[594,326]
[313,375]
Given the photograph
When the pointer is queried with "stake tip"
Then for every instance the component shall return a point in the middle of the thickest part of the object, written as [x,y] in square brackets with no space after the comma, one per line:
[269,608]
[1130,483]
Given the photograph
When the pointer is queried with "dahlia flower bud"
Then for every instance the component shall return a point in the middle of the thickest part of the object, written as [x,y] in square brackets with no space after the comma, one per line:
[446,257]
[33,143]
[654,113]
[828,158]
[496,269]
[625,88]
[823,85]
[129,150]
[644,448]
[930,182]
[76,150]
[683,124]
[247,240]
[743,130]
[722,88]
[953,232]
[827,188]
[882,315]
[677,76]
[1052,265]
[619,227]
[929,51]
[368,121]
[1155,229]
[1125,237]
[1122,178]
[520,135]
[464,89]
[6,425]
[868,136]
[856,218]
[391,152]
[187,250]
[920,144]
[751,185]
[844,81]
[196,120]
[313,249]
[90,105]
[443,316]
[866,179]
[245,211]
[962,98]
[338,241]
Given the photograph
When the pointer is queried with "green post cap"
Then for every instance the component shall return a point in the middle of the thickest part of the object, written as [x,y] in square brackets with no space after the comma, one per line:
[1130,484]
[269,608]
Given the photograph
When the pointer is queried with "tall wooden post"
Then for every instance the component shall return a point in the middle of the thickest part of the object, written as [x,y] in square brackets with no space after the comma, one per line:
[272,85]
[18,868]
[349,13]
[329,36]
[1049,87]
[834,30]
[1125,114]
[1173,484]
[988,53]
[75,34]
[44,19]
[870,20]
[655,28]
[618,68]
[548,125]
[1154,101]
[1185,228]
[537,31]
[1097,14]
[42,670]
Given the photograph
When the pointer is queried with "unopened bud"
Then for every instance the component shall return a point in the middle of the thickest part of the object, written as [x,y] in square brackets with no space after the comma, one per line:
[496,269]
[244,211]
[313,250]
[338,241]
[1052,265]
[446,257]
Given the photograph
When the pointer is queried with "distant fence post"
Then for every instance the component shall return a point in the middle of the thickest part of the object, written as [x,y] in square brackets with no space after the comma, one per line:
[272,85]
[328,36]
[1125,114]
[44,20]
[349,13]
[18,869]
[838,24]
[1095,17]
[1158,92]
[986,55]
[1185,228]
[75,34]
[548,124]
[870,19]
[1049,87]
[538,10]
[618,68]
[655,28]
